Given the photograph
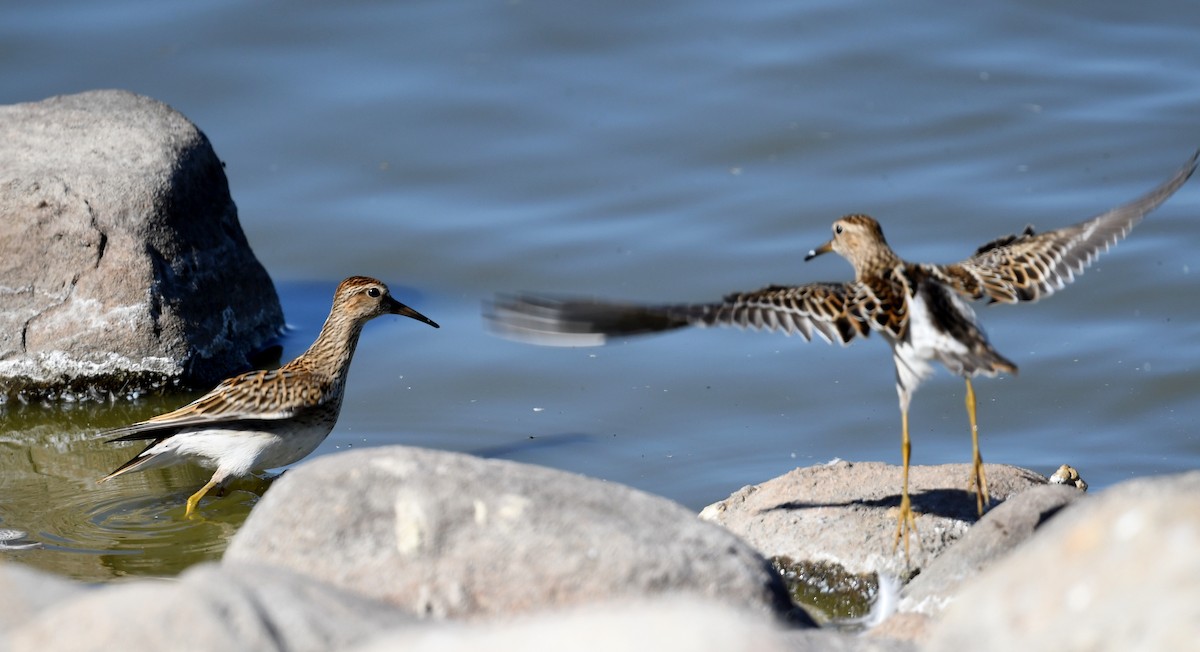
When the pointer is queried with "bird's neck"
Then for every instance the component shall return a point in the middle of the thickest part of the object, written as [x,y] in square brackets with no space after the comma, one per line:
[334,347]
[878,264]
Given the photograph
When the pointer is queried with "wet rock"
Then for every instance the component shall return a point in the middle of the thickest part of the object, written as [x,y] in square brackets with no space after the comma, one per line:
[1001,529]
[119,244]
[844,513]
[450,535]
[1114,572]
[209,608]
[829,593]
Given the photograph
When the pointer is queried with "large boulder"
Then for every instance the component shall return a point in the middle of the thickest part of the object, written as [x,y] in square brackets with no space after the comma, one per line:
[122,263]
[246,607]
[449,535]
[1118,571]
[663,624]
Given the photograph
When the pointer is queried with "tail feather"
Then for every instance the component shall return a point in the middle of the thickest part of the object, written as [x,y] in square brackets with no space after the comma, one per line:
[135,464]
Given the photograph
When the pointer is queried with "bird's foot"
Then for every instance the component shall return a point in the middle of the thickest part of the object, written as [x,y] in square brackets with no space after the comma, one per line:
[194,499]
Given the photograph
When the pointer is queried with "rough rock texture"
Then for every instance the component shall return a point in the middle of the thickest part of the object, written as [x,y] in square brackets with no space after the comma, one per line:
[845,513]
[538,560]
[996,534]
[208,608]
[450,535]
[119,248]
[1118,571]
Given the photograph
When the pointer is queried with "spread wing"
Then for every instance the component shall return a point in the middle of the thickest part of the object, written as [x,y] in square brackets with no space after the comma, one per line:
[1029,266]
[258,395]
[836,312]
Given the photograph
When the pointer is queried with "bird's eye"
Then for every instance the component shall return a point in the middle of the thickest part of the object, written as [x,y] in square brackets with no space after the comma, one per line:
[838,229]
[373,293]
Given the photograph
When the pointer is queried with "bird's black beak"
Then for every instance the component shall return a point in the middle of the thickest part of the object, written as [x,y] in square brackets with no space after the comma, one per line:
[823,249]
[397,308]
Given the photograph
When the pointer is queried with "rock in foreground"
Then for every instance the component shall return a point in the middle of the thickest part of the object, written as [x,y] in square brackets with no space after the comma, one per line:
[666,624]
[208,608]
[119,244]
[449,535]
[1001,530]
[1118,571]
[353,551]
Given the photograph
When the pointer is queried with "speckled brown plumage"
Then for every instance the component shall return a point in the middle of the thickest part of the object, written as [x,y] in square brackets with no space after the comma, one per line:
[921,309]
[266,419]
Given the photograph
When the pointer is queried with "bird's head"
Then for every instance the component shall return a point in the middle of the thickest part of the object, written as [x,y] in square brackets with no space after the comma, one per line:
[364,298]
[859,239]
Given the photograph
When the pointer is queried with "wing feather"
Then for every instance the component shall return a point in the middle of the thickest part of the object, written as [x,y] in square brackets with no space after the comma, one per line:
[240,398]
[1029,266]
[835,312]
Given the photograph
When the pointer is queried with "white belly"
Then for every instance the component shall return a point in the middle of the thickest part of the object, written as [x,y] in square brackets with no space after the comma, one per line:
[925,343]
[237,452]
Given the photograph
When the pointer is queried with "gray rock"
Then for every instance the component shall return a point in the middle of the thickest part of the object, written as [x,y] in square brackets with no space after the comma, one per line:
[119,244]
[845,513]
[449,535]
[827,640]
[1118,571]
[999,531]
[25,592]
[666,624]
[209,608]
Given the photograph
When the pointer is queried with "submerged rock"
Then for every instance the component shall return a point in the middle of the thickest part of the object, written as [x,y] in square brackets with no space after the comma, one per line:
[123,267]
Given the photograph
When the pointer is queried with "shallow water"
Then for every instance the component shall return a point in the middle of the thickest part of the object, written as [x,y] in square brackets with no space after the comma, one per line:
[673,151]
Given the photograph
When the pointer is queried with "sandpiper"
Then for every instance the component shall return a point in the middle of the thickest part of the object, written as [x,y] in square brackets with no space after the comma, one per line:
[921,310]
[266,419]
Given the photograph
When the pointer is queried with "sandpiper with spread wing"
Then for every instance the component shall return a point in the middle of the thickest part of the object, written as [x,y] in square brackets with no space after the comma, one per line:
[922,310]
[266,419]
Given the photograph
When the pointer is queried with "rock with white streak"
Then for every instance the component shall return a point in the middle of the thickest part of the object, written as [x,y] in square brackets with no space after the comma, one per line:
[119,246]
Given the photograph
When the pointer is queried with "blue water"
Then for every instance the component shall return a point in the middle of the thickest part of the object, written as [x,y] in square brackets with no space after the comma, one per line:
[674,152]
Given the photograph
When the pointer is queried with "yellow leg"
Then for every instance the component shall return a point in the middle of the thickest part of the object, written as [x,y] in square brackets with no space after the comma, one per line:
[194,499]
[978,478]
[906,521]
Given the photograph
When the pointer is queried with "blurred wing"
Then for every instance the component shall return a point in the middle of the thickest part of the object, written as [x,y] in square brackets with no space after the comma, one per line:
[826,309]
[829,310]
[1029,266]
[258,395]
